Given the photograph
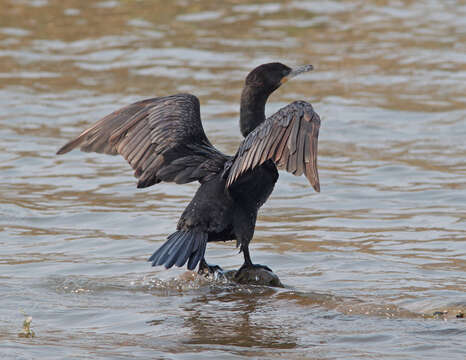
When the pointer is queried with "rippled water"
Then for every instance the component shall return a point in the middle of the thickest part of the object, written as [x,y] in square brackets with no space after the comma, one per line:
[366,263]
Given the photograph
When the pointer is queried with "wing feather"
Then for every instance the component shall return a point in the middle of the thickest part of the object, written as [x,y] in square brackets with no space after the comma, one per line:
[300,159]
[281,146]
[269,148]
[144,143]
[259,151]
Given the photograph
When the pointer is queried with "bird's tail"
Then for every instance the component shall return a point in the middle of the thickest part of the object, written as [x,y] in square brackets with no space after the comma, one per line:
[180,247]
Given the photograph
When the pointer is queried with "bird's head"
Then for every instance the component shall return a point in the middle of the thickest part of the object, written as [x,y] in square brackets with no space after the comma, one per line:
[269,77]
[259,84]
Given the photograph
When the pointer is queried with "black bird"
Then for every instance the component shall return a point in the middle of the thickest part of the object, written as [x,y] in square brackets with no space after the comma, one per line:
[163,140]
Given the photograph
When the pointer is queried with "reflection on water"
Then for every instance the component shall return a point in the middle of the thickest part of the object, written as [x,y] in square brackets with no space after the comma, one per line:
[366,263]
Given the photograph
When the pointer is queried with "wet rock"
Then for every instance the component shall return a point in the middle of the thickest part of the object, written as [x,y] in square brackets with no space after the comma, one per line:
[254,276]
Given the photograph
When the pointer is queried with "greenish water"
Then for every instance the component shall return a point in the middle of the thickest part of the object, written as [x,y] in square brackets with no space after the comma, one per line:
[366,263]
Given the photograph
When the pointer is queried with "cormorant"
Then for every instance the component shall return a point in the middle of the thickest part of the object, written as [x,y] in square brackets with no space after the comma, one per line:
[163,140]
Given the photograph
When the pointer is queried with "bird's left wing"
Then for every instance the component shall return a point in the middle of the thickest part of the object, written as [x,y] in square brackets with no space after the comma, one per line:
[289,138]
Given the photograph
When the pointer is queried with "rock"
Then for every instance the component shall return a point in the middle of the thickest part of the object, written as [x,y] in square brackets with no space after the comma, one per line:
[254,276]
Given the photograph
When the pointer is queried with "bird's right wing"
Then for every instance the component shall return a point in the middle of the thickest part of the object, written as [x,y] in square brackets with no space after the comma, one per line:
[288,138]
[161,138]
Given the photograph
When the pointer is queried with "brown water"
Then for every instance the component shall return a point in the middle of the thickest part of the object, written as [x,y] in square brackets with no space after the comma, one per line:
[366,262]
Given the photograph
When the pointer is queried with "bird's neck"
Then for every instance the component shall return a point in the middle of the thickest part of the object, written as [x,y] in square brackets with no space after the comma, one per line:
[252,111]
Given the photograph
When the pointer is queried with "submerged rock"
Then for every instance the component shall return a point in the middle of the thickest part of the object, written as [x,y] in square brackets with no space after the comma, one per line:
[254,276]
[244,276]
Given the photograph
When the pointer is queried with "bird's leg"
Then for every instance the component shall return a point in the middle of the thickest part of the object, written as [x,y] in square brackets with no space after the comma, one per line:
[206,269]
[248,263]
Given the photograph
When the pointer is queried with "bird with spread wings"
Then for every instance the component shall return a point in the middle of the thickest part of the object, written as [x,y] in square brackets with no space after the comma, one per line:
[163,140]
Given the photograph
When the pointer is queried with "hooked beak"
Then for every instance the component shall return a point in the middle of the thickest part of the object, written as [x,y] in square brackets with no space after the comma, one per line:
[296,71]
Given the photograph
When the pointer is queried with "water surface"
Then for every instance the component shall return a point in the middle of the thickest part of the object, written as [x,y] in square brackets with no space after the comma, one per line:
[366,263]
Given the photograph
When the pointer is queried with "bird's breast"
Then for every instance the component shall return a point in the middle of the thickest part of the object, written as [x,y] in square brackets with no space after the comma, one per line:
[253,188]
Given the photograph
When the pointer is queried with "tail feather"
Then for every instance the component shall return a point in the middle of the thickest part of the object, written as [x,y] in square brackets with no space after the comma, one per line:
[184,254]
[176,250]
[197,255]
[174,243]
[180,247]
[163,249]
